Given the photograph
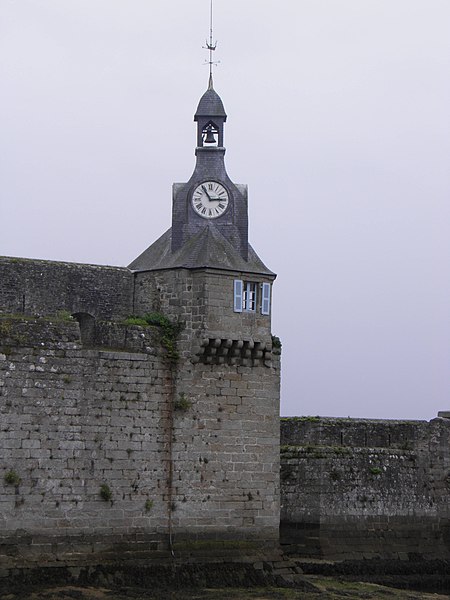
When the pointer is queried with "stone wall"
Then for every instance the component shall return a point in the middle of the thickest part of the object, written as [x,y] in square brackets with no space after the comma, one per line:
[74,420]
[226,458]
[203,301]
[355,488]
[40,287]
[187,454]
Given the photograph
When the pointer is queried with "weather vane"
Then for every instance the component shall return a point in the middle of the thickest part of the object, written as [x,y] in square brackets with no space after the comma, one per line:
[211,46]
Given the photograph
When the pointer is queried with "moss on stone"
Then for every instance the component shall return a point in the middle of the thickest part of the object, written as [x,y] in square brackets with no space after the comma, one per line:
[307,419]
[211,545]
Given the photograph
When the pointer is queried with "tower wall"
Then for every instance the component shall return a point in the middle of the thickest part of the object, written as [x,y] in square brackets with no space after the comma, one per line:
[226,439]
[203,300]
[225,453]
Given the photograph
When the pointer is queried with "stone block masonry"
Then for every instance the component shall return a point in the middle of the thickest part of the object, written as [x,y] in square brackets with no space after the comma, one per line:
[74,420]
[226,458]
[114,449]
[120,454]
[226,472]
[41,287]
[360,489]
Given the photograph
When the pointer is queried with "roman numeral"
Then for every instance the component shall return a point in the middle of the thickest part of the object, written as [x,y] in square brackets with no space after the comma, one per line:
[198,206]
[210,186]
[221,205]
[204,211]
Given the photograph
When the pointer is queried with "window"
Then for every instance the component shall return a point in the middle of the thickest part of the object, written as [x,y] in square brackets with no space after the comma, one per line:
[249,296]
[246,296]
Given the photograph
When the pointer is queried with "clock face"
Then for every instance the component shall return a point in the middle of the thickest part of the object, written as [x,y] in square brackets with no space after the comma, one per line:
[210,200]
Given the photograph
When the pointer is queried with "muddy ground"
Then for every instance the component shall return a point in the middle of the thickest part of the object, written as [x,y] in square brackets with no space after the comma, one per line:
[321,588]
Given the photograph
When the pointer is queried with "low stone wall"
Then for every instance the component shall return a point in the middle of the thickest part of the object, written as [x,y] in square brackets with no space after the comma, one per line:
[359,489]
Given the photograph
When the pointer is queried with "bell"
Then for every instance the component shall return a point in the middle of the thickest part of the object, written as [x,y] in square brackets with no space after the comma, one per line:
[210,138]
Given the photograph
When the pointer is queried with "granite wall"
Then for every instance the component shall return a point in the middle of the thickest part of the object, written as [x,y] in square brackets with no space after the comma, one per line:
[123,451]
[358,489]
[226,457]
[74,420]
[41,287]
[213,333]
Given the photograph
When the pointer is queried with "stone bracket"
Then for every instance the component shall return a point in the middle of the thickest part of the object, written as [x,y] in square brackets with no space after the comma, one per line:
[246,353]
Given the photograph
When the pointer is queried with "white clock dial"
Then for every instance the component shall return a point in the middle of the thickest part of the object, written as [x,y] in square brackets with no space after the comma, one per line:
[210,199]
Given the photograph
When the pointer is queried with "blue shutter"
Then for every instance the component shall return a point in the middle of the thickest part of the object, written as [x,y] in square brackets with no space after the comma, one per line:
[265,300]
[238,293]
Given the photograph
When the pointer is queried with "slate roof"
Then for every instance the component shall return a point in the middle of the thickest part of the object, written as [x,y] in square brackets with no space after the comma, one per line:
[206,249]
[210,105]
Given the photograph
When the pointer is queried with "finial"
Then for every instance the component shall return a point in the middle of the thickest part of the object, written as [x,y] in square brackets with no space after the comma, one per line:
[211,46]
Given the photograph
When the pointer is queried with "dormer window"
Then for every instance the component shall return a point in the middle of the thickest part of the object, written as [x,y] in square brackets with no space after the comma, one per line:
[250,296]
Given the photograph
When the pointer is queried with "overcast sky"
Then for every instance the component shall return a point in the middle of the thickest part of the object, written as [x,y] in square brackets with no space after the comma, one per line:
[338,121]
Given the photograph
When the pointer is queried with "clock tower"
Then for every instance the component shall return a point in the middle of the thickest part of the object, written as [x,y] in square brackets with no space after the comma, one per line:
[210,231]
[223,473]
[213,200]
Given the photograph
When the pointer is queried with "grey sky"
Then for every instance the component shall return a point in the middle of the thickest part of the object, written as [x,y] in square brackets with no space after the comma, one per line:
[338,120]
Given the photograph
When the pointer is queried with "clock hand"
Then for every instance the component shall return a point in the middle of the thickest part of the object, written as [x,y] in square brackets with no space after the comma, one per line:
[206,192]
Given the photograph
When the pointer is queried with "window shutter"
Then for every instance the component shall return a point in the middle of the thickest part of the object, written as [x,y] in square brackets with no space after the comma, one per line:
[238,293]
[265,300]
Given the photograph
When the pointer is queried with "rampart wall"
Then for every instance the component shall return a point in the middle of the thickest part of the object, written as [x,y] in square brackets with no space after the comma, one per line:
[109,454]
[359,489]
[74,420]
[41,287]
[185,440]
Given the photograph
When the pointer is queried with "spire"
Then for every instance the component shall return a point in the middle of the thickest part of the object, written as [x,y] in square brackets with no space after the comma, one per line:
[211,46]
[210,114]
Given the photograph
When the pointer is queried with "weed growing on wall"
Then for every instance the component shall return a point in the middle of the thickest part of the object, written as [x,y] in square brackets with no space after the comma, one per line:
[105,492]
[12,478]
[276,343]
[64,315]
[376,470]
[5,328]
[169,330]
[307,419]
[8,330]
[183,403]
